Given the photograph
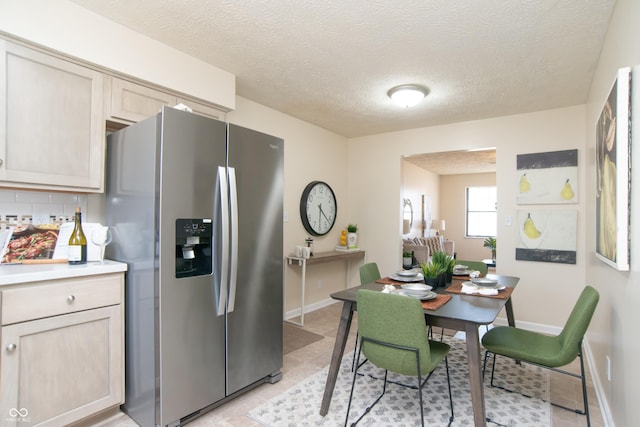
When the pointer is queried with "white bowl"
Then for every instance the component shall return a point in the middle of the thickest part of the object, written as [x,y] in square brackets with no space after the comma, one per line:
[417,289]
[407,273]
[483,281]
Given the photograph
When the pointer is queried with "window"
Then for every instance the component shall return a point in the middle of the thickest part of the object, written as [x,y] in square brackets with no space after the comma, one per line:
[482,218]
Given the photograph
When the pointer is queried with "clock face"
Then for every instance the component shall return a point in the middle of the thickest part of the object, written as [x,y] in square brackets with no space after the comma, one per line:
[318,208]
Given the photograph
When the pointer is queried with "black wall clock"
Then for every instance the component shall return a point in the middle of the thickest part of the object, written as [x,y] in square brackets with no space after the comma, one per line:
[318,208]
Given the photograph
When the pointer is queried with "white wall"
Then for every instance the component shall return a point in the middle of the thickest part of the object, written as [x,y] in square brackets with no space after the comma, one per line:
[376,173]
[311,153]
[614,329]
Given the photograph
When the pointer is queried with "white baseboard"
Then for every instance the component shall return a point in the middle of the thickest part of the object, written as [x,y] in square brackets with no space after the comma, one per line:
[309,308]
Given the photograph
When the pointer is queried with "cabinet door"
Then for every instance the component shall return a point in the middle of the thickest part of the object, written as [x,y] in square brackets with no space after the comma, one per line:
[52,133]
[62,369]
[131,103]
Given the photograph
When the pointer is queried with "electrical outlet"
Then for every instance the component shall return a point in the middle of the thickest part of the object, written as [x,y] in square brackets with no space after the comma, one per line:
[320,284]
[608,368]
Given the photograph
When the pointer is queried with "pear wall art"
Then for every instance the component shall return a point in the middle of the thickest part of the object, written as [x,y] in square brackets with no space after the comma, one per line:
[614,174]
[547,235]
[548,178]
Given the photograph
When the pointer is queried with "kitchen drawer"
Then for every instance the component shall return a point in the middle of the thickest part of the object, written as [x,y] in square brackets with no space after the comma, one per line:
[60,297]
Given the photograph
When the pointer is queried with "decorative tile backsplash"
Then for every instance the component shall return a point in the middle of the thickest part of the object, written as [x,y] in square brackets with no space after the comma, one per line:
[34,207]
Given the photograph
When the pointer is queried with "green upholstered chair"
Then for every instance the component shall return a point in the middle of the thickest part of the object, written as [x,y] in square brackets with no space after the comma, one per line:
[474,265]
[393,336]
[547,351]
[369,273]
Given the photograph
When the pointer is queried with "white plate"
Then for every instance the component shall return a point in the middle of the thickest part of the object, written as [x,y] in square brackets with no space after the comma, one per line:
[417,278]
[429,295]
[483,281]
[496,286]
[416,287]
[407,273]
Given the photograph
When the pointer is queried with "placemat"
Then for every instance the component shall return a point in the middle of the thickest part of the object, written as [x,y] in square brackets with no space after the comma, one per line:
[387,281]
[436,303]
[456,288]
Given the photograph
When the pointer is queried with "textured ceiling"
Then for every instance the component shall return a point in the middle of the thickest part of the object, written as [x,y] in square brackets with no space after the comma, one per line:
[331,62]
[456,162]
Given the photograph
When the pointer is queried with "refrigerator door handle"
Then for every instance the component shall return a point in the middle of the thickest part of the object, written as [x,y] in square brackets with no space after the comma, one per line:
[233,214]
[222,197]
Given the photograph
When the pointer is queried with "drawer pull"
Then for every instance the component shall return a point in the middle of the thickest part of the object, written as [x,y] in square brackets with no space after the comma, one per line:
[11,347]
[71,298]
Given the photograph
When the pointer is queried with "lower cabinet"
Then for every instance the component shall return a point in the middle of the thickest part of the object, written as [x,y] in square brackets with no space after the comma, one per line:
[60,369]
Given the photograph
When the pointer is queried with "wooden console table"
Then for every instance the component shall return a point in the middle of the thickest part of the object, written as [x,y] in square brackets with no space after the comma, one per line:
[318,258]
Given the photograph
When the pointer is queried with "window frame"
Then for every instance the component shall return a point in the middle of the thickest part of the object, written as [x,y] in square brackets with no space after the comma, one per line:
[467,211]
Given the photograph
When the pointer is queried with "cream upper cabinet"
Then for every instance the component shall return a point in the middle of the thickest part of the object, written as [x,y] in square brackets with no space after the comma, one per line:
[128,102]
[52,132]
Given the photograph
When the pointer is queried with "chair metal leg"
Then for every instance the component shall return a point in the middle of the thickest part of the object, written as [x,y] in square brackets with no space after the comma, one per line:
[446,364]
[582,376]
[384,385]
[585,399]
[355,348]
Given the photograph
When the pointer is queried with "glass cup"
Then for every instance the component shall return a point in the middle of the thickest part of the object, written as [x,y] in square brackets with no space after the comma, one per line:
[101,237]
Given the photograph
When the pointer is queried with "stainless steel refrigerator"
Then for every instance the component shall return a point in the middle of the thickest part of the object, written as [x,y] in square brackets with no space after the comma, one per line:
[195,206]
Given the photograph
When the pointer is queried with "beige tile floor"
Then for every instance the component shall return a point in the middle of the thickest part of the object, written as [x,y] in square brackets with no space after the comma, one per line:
[304,362]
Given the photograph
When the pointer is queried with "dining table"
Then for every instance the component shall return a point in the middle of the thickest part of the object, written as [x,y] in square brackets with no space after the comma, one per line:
[456,310]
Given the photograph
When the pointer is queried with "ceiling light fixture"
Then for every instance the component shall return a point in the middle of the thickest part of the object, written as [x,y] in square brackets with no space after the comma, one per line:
[407,95]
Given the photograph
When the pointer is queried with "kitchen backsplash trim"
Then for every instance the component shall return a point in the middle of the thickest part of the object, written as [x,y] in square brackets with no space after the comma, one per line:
[35,207]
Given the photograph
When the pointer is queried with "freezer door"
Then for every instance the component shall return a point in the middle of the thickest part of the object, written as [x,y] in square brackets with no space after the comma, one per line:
[254,320]
[191,335]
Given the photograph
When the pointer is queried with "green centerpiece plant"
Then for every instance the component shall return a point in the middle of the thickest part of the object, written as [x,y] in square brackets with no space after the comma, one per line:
[432,273]
[446,262]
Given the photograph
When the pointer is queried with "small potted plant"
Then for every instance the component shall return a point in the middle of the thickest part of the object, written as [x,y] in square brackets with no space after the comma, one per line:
[432,273]
[407,259]
[490,242]
[352,236]
[447,263]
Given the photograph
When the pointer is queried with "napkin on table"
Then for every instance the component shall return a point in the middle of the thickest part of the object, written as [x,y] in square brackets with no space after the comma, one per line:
[470,288]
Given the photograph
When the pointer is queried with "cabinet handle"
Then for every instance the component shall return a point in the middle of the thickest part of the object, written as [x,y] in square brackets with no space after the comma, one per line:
[71,298]
[11,347]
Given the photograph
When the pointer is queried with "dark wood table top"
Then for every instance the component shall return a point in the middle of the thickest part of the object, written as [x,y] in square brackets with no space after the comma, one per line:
[467,308]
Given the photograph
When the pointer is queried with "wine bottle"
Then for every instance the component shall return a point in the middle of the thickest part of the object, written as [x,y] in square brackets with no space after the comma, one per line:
[77,242]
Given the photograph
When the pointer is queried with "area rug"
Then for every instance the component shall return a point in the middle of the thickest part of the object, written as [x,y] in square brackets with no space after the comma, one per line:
[295,337]
[300,405]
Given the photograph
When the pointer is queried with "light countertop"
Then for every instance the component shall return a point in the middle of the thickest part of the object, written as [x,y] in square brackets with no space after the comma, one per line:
[22,273]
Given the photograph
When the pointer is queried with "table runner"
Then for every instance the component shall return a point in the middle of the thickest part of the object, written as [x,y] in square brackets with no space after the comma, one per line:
[456,288]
